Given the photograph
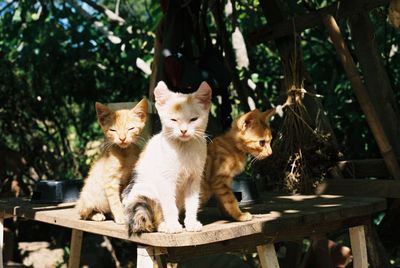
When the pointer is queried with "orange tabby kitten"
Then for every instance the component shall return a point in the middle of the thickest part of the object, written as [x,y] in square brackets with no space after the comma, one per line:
[227,155]
[111,172]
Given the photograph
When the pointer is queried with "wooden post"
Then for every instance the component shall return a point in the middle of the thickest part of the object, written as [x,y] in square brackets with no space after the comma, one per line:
[364,100]
[358,246]
[150,257]
[377,82]
[267,256]
[76,245]
[1,241]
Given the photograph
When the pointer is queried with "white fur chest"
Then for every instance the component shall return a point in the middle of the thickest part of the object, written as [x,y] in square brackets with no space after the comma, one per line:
[171,161]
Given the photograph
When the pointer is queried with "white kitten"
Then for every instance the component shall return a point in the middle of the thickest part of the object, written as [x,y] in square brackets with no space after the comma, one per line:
[168,173]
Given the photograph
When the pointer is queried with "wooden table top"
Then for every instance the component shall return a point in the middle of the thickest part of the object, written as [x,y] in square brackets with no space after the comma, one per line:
[276,218]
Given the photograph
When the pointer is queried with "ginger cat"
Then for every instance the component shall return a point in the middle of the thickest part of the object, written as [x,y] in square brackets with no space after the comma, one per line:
[168,174]
[227,155]
[111,172]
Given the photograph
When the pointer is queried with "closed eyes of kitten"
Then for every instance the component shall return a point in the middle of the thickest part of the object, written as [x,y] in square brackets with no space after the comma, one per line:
[113,130]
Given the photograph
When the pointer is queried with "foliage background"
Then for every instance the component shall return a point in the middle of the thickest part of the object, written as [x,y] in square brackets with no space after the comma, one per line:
[55,63]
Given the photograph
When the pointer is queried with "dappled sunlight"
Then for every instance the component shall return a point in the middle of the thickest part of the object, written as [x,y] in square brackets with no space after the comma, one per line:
[328,205]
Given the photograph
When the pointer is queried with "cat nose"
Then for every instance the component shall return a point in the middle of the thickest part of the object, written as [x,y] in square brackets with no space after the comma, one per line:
[183,131]
[122,139]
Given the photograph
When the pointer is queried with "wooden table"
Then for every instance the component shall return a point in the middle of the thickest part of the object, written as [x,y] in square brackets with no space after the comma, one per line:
[278,218]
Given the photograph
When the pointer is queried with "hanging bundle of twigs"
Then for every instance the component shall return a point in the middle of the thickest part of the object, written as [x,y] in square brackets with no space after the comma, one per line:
[300,149]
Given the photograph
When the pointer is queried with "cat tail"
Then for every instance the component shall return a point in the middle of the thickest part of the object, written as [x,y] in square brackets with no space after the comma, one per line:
[143,215]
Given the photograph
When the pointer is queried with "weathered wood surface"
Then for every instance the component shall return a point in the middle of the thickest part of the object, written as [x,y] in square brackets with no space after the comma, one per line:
[277,217]
[267,256]
[358,246]
[76,245]
[340,9]
[363,168]
[360,187]
[1,241]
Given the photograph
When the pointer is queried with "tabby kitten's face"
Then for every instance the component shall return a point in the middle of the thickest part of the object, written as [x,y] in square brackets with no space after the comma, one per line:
[183,116]
[122,127]
[254,133]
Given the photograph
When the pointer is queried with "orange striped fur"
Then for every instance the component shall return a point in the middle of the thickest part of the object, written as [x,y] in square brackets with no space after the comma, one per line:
[110,173]
[227,155]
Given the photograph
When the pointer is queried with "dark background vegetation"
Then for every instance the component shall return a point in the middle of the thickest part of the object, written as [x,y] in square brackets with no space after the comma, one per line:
[54,64]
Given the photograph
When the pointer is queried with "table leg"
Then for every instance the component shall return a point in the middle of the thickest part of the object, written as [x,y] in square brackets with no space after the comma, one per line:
[267,256]
[150,257]
[1,241]
[358,246]
[75,252]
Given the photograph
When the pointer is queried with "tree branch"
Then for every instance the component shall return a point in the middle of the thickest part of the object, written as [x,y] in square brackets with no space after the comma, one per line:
[110,14]
[97,24]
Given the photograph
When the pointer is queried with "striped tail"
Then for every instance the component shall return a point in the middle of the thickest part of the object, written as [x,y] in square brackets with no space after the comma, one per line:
[144,215]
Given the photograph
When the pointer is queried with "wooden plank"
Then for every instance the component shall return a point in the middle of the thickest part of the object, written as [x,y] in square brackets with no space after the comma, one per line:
[363,168]
[358,247]
[248,243]
[360,187]
[340,9]
[1,241]
[76,246]
[267,256]
[275,215]
[149,257]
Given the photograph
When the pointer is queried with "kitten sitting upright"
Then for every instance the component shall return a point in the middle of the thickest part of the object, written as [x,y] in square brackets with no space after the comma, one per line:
[169,171]
[227,155]
[111,172]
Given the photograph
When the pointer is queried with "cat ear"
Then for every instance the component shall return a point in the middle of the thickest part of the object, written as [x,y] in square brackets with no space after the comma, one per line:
[268,114]
[161,93]
[203,95]
[245,121]
[103,112]
[141,109]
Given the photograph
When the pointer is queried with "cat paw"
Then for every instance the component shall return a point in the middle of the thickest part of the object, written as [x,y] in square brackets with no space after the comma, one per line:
[246,216]
[170,227]
[193,225]
[98,217]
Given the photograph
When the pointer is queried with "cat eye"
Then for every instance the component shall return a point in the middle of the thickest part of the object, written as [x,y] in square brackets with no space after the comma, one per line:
[173,119]
[193,119]
[111,129]
[132,128]
[262,143]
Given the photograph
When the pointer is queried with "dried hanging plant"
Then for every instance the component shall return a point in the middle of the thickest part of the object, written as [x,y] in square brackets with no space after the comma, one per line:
[302,153]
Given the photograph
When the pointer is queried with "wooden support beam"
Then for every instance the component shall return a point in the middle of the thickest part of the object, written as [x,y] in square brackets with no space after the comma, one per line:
[377,83]
[340,10]
[149,257]
[360,187]
[377,256]
[362,168]
[76,245]
[364,100]
[1,241]
[267,256]
[358,247]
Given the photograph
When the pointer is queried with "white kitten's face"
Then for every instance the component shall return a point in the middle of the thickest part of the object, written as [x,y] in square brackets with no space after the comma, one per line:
[183,116]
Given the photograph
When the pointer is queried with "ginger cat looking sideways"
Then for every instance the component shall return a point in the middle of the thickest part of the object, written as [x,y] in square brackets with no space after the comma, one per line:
[111,172]
[227,155]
